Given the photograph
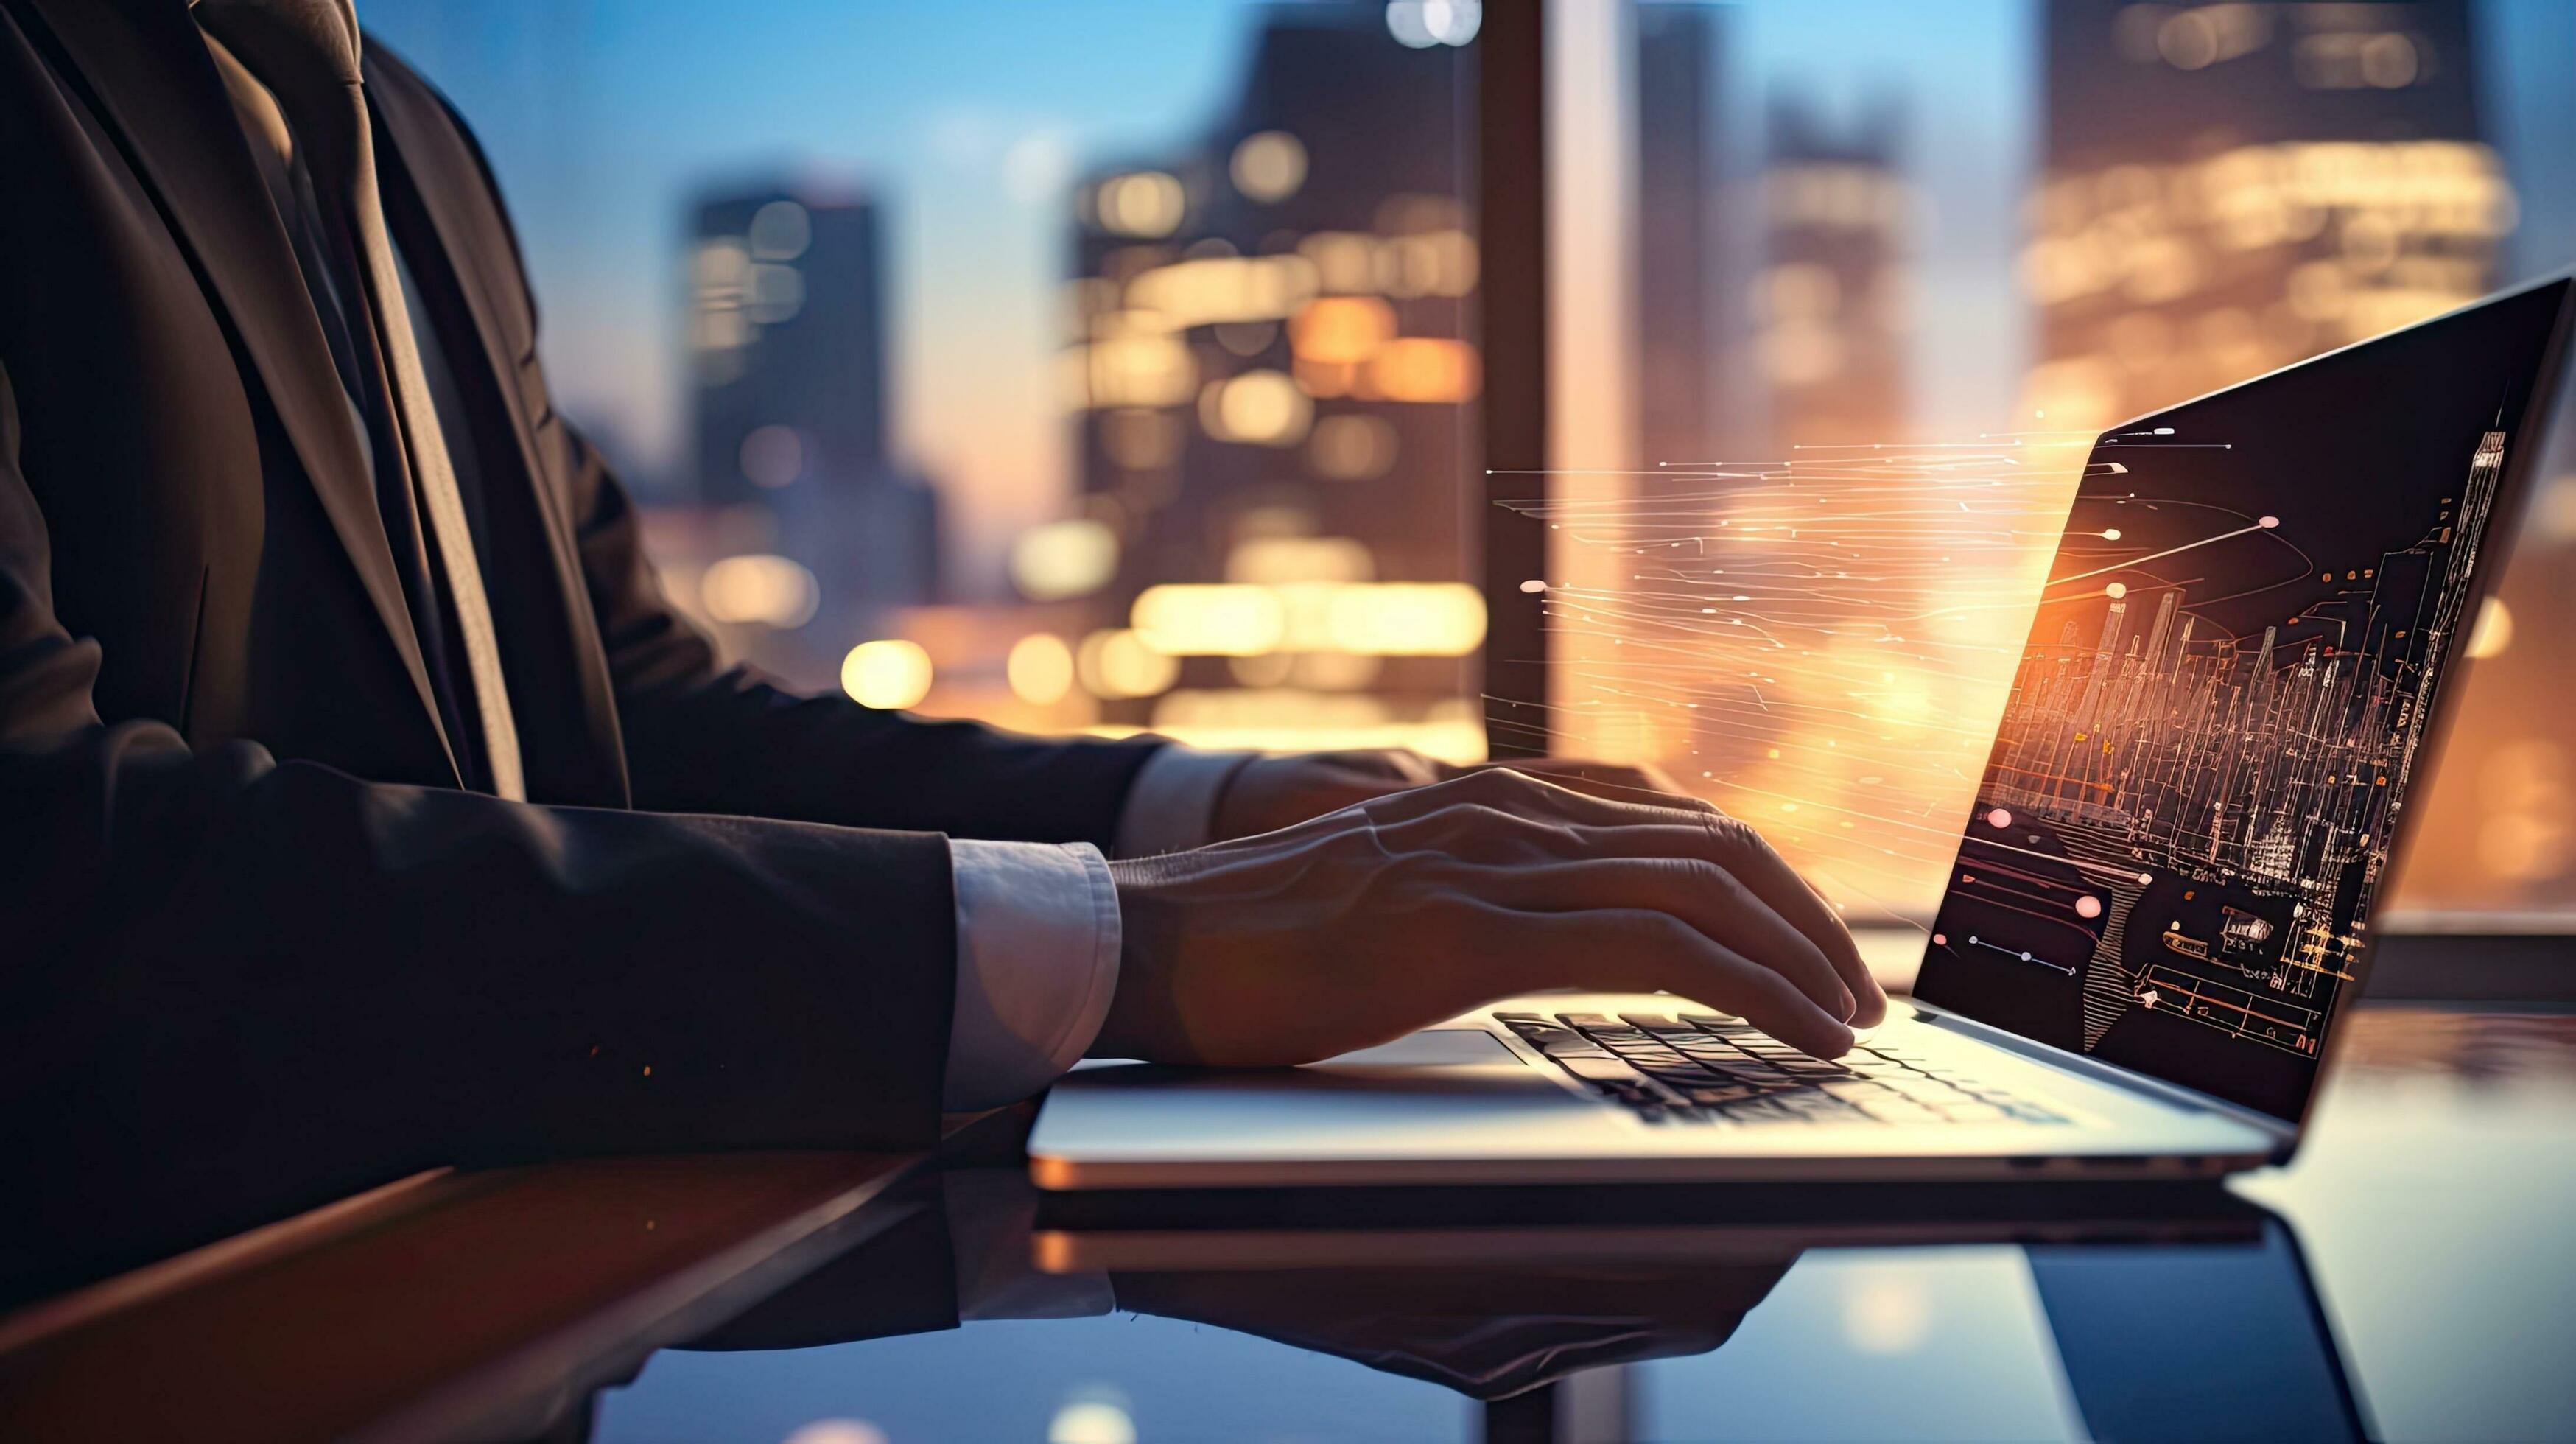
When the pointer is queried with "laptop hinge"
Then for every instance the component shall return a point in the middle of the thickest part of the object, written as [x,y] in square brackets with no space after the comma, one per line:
[2284,1133]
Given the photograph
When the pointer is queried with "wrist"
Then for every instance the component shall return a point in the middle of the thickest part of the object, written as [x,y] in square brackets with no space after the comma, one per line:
[1122,1031]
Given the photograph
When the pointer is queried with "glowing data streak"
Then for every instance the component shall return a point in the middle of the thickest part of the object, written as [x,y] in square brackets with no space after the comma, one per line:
[1818,644]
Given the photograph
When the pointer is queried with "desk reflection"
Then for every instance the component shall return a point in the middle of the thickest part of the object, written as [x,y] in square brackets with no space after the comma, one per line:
[1704,1314]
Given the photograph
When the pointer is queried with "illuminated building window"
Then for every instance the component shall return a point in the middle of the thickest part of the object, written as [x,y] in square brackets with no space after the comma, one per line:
[1269,166]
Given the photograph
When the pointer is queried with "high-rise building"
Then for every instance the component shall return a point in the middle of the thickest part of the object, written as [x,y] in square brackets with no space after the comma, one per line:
[1693,400]
[787,345]
[787,331]
[1271,374]
[1831,302]
[2230,188]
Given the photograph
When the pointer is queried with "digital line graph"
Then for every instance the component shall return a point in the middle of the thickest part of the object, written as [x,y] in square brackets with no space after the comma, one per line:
[2209,808]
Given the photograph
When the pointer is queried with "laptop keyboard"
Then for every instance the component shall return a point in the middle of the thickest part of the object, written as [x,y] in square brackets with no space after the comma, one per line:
[1700,1067]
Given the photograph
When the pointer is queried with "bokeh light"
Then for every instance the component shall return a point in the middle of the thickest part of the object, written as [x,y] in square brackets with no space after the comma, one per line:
[769,591]
[1269,166]
[1040,669]
[1147,204]
[1352,448]
[1262,408]
[1208,620]
[888,675]
[773,456]
[1115,664]
[1064,559]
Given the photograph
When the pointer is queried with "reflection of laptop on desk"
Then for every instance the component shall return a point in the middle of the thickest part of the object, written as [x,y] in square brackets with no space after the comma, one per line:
[2161,903]
[2174,1311]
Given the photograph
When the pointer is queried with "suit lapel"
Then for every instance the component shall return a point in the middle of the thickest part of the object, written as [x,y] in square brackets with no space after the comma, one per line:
[419,152]
[149,67]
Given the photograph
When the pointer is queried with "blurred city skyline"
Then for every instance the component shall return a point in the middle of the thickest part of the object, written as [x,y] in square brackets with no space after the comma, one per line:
[605,121]
[1117,367]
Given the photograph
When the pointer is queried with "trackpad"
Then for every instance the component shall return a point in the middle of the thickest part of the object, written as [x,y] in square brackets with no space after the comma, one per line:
[1428,1048]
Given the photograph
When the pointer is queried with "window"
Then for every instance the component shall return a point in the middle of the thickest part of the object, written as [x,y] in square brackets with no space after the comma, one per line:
[1091,367]
[1841,289]
[1119,366]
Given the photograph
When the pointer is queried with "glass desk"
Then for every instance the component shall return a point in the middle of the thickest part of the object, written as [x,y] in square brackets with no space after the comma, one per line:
[2408,1277]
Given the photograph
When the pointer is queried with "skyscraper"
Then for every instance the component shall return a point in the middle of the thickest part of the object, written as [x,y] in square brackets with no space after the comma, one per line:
[787,330]
[1691,279]
[1271,367]
[1830,306]
[2230,188]
[787,344]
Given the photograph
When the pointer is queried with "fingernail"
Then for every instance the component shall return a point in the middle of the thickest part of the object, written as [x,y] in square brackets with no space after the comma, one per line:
[1851,1005]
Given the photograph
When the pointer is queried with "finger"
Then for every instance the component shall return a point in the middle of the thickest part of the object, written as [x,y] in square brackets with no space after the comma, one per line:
[1613,782]
[1480,833]
[1624,950]
[1519,792]
[1757,865]
[1693,890]
[1642,776]
[1525,825]
[1494,837]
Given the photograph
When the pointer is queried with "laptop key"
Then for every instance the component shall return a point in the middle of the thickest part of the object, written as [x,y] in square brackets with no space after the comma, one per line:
[1598,1068]
[1606,1070]
[1716,1071]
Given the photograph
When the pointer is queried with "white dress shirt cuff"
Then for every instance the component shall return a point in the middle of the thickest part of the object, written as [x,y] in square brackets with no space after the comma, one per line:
[1037,963]
[991,1212]
[1171,807]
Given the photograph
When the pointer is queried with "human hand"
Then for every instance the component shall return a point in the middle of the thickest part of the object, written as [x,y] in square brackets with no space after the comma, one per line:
[1367,923]
[1269,793]
[1489,1331]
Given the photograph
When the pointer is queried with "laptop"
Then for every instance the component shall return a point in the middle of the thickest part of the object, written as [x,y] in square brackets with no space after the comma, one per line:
[2174,1312]
[2164,892]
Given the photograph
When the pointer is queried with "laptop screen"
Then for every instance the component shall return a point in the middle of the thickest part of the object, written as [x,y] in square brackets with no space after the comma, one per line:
[2187,818]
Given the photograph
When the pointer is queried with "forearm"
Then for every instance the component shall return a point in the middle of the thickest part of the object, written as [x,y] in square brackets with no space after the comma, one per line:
[229,976]
[734,742]
[701,736]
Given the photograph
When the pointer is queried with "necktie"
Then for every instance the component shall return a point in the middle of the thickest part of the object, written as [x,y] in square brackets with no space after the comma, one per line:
[306,53]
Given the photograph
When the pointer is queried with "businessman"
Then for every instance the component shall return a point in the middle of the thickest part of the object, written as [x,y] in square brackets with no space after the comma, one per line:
[364,805]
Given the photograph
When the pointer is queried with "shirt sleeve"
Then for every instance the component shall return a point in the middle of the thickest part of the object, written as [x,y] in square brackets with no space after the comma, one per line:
[1038,935]
[1172,805]
[991,1212]
[1037,963]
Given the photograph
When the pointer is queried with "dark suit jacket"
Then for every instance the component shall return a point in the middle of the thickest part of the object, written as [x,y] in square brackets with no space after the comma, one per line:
[254,942]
